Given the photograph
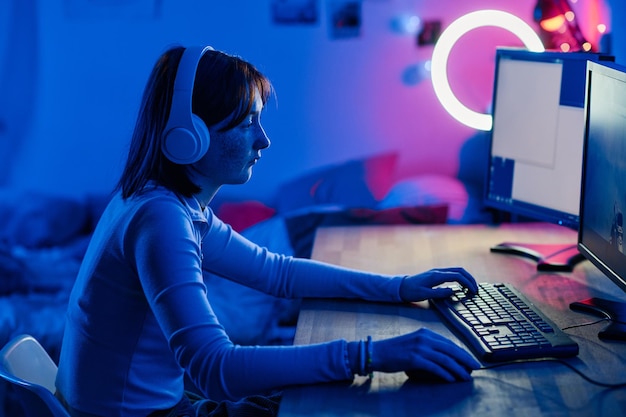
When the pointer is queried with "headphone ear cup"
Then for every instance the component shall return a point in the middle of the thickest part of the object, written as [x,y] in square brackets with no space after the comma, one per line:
[204,138]
[183,146]
[186,136]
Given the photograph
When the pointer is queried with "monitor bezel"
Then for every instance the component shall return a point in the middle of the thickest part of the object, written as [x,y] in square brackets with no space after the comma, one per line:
[589,243]
[521,208]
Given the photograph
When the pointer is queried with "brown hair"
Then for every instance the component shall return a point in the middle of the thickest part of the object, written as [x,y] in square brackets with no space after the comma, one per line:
[224,87]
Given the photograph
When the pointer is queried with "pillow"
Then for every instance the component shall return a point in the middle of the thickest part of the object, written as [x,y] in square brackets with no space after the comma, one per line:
[301,228]
[35,219]
[241,215]
[355,183]
[429,189]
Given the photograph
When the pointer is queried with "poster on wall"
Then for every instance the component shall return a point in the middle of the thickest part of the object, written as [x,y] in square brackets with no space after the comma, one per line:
[429,32]
[294,11]
[344,19]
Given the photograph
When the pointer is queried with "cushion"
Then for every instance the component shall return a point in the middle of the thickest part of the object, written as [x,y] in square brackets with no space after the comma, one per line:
[429,189]
[36,219]
[241,215]
[355,183]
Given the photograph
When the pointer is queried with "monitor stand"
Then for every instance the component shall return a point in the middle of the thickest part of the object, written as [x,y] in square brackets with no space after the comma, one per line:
[561,257]
[614,310]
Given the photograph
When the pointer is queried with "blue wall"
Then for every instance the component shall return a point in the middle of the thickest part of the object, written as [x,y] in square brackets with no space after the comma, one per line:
[77,73]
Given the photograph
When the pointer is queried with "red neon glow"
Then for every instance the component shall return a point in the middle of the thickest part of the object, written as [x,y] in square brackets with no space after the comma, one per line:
[553,24]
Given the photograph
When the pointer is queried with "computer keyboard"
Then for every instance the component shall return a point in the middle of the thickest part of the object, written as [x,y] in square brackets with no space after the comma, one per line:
[500,324]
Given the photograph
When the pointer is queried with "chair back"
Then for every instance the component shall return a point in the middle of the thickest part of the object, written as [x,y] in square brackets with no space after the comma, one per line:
[28,368]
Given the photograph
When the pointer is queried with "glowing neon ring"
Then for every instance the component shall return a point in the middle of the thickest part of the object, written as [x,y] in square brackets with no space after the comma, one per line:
[458,28]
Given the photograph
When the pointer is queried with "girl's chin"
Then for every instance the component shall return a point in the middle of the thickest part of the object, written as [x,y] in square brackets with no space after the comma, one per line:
[244,178]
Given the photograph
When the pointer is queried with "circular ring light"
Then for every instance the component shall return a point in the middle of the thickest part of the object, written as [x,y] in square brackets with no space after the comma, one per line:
[450,36]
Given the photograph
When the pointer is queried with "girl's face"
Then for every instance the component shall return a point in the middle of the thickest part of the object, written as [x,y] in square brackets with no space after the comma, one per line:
[233,153]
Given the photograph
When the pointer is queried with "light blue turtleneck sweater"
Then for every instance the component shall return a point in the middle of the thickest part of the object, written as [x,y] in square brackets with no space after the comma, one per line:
[140,313]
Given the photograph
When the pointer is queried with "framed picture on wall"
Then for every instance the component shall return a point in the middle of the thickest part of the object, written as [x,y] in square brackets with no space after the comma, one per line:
[294,11]
[344,18]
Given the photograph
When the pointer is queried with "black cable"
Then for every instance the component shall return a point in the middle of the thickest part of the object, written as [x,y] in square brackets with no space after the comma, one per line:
[570,366]
[590,323]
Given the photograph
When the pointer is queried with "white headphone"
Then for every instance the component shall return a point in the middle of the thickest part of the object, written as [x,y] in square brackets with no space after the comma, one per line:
[186,137]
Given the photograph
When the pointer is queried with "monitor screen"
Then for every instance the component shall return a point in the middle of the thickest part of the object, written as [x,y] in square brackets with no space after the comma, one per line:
[603,192]
[535,158]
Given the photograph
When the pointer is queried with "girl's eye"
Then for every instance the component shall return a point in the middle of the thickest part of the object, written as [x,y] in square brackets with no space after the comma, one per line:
[249,121]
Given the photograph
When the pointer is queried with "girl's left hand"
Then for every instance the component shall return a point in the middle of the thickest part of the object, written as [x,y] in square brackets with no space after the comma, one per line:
[421,286]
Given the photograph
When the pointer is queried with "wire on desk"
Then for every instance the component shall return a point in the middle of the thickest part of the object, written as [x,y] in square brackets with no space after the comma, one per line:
[590,323]
[573,368]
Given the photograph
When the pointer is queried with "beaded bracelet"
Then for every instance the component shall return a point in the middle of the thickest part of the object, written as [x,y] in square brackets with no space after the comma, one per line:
[362,358]
[369,367]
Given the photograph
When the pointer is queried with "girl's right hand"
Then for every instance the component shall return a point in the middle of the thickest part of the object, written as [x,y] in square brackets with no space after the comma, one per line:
[423,351]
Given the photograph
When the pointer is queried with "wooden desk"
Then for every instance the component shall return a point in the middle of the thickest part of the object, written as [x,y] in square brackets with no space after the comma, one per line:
[530,389]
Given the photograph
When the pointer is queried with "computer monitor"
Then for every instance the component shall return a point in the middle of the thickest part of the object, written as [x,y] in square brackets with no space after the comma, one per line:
[603,191]
[536,144]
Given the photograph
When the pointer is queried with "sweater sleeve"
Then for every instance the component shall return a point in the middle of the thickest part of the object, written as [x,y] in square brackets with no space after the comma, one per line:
[289,277]
[223,370]
[168,263]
